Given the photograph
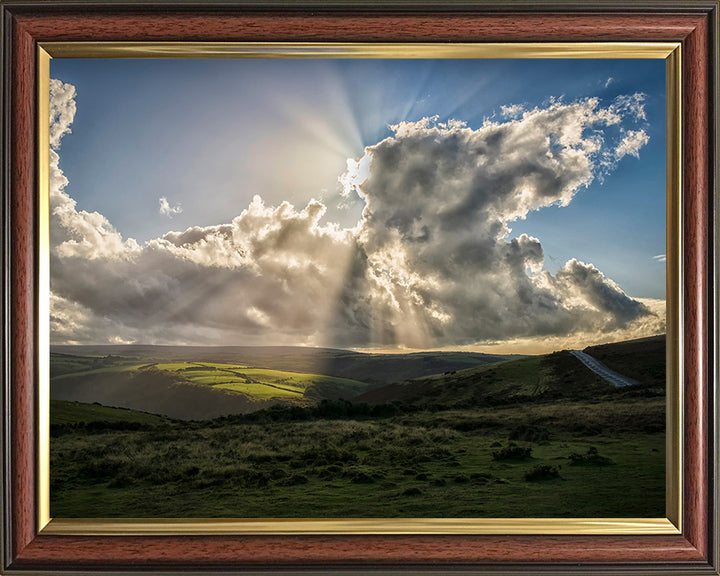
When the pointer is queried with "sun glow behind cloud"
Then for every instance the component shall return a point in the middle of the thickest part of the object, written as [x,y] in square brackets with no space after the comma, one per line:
[430,263]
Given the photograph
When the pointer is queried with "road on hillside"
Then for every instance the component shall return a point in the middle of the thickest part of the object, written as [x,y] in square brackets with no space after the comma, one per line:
[617,380]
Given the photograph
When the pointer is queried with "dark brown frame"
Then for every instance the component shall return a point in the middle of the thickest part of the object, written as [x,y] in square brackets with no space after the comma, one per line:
[693,23]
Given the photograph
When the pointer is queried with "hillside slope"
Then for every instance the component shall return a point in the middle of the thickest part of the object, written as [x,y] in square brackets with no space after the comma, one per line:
[76,413]
[642,359]
[536,378]
[557,375]
[366,367]
[153,391]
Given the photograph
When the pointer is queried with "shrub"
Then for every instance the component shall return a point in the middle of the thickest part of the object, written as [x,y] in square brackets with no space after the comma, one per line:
[480,477]
[101,469]
[361,477]
[412,492]
[590,458]
[332,471]
[277,473]
[512,452]
[542,472]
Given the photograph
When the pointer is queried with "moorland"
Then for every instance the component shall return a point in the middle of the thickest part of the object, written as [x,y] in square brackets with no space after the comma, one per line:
[147,431]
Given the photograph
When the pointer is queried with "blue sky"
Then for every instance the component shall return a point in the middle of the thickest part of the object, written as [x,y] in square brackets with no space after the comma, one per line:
[208,135]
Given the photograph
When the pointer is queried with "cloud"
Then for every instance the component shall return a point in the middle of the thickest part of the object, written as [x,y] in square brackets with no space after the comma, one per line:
[630,104]
[221,282]
[631,143]
[441,251]
[76,233]
[431,263]
[660,258]
[512,111]
[62,110]
[609,81]
[167,210]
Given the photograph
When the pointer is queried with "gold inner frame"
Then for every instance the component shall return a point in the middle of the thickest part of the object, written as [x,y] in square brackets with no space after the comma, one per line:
[671,524]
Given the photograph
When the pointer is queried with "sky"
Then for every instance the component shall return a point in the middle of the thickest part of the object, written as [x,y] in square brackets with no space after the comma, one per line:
[369,204]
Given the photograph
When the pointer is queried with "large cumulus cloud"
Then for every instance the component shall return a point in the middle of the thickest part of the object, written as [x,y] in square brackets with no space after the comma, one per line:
[439,200]
[431,263]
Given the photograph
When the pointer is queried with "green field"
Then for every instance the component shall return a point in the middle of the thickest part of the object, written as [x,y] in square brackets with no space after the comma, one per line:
[63,365]
[262,390]
[411,465]
[261,383]
[62,412]
[189,390]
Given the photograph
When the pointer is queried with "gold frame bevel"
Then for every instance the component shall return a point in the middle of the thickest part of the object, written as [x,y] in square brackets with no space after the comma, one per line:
[671,524]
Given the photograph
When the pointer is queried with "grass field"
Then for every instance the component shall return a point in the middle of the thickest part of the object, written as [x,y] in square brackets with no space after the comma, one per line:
[65,364]
[62,412]
[189,390]
[261,383]
[410,465]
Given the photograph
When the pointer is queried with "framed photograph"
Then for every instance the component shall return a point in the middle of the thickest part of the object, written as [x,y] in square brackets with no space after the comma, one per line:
[382,287]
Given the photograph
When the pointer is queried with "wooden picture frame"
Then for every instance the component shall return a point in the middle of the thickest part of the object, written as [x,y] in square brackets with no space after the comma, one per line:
[28,24]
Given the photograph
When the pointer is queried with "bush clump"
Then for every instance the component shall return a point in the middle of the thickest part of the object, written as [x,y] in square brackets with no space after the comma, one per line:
[480,477]
[331,472]
[512,452]
[412,492]
[542,472]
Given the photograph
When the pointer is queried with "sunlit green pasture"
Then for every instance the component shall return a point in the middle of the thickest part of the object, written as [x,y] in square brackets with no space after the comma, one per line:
[261,390]
[261,383]
[173,365]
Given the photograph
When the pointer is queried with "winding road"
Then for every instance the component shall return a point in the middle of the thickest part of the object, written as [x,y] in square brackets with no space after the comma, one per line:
[617,380]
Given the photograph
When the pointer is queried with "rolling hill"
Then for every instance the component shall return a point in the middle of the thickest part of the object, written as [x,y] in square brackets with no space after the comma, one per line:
[195,383]
[189,390]
[642,359]
[64,413]
[362,366]
[153,391]
[537,378]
